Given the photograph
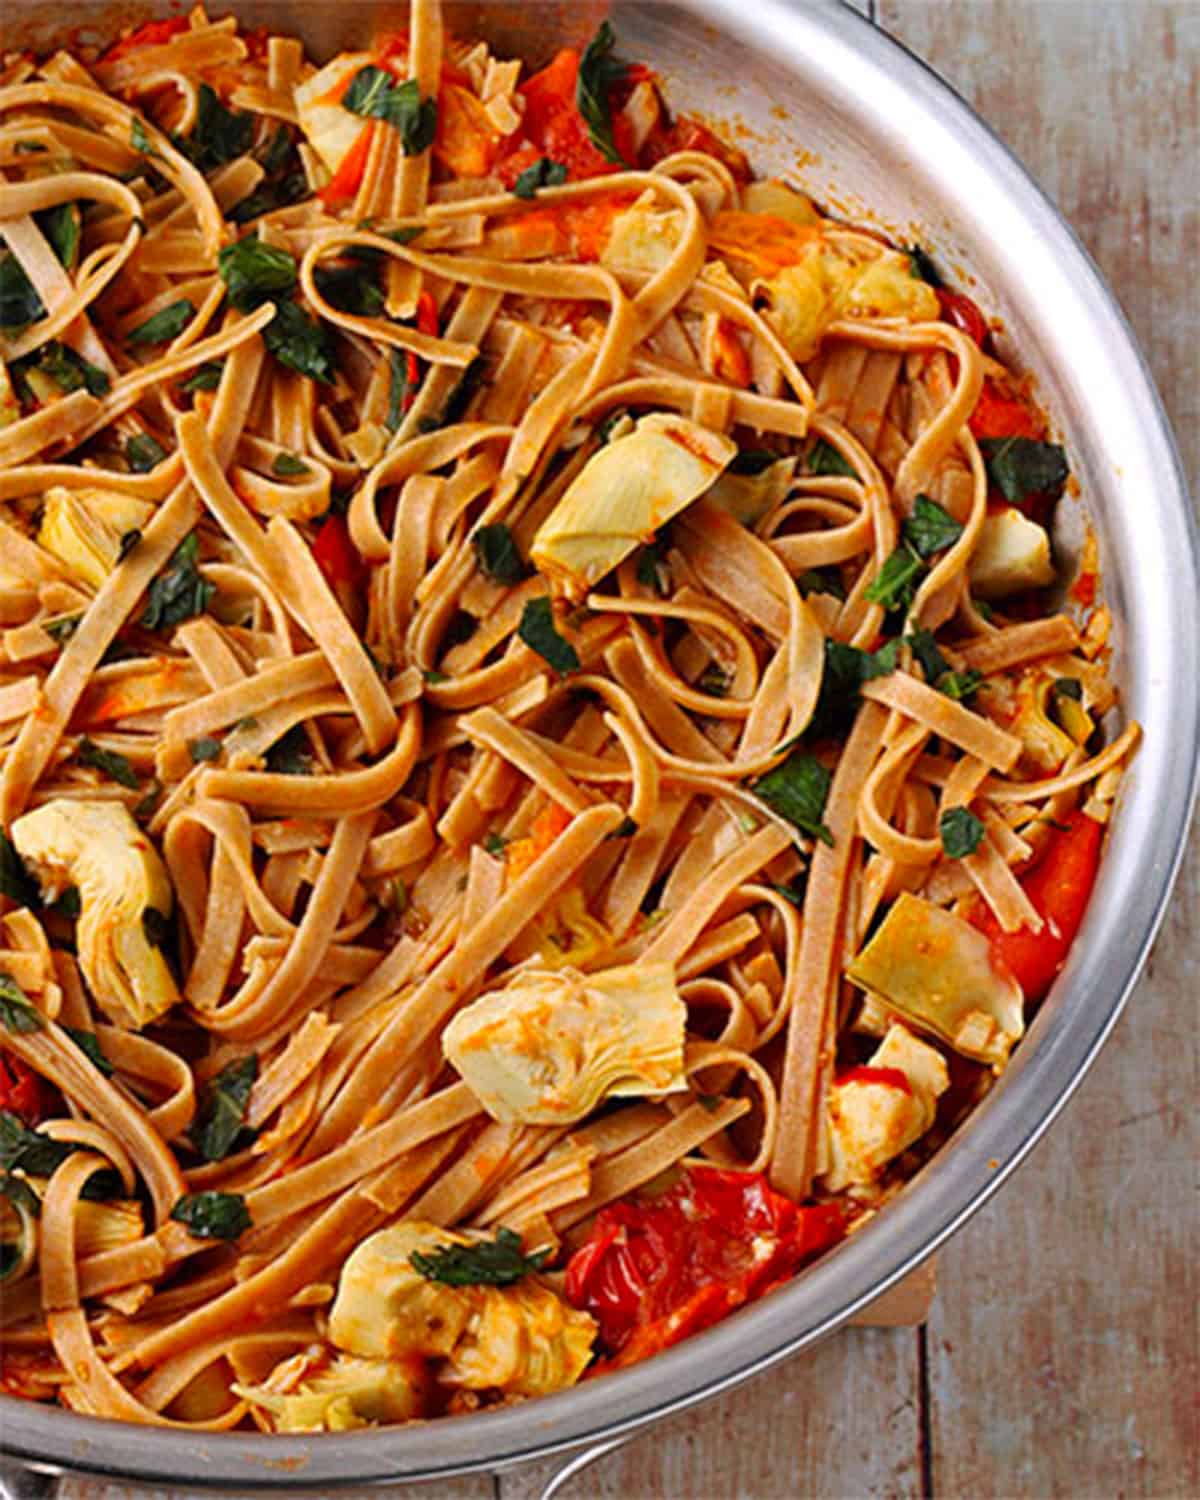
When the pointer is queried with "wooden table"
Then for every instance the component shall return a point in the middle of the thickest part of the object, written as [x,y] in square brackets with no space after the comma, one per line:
[1060,1359]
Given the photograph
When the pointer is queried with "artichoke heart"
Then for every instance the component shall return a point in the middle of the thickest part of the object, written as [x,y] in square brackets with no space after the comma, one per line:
[523,1339]
[1012,554]
[643,238]
[551,1046]
[748,497]
[347,1393]
[83,529]
[936,972]
[873,1119]
[99,849]
[623,494]
[330,128]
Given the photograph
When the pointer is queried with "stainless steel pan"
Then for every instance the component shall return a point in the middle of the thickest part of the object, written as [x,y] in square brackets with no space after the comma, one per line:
[834,104]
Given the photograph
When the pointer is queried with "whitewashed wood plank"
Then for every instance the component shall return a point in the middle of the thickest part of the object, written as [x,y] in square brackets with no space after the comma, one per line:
[841,1421]
[1063,1344]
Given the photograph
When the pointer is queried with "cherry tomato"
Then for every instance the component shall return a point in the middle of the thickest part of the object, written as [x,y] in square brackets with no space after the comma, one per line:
[959,309]
[1059,886]
[654,1270]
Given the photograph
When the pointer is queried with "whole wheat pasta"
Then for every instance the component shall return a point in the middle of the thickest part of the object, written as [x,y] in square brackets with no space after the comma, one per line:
[502,659]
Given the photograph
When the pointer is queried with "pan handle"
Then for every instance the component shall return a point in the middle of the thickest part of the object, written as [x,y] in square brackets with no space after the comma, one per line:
[576,1465]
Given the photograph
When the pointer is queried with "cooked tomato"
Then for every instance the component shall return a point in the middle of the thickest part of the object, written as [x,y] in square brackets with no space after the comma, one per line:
[998,415]
[686,133]
[553,127]
[1059,886]
[336,556]
[959,309]
[22,1092]
[654,1270]
[150,34]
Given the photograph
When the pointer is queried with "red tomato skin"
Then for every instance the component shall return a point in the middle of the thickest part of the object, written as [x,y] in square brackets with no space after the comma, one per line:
[1059,887]
[959,309]
[892,1078]
[21,1090]
[654,1270]
[999,416]
[336,555]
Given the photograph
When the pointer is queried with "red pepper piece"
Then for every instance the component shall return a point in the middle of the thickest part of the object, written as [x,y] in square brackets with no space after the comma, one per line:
[336,555]
[21,1090]
[1059,886]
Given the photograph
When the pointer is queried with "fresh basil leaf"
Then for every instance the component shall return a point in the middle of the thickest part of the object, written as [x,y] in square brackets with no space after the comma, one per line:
[109,763]
[1067,687]
[753,460]
[288,466]
[180,591]
[926,651]
[219,135]
[821,581]
[300,343]
[16,1012]
[961,686]
[375,94]
[497,554]
[599,70]
[1020,467]
[494,845]
[400,389]
[823,458]
[433,676]
[139,139]
[922,266]
[213,1216]
[129,540]
[463,393]
[222,1116]
[143,453]
[18,1191]
[205,377]
[797,789]
[62,630]
[15,880]
[204,748]
[793,892]
[538,631]
[929,528]
[653,570]
[351,289]
[498,1262]
[895,585]
[164,325]
[714,681]
[255,273]
[69,371]
[961,832]
[846,669]
[543,173]
[63,227]
[291,755]
[89,1044]
[19,300]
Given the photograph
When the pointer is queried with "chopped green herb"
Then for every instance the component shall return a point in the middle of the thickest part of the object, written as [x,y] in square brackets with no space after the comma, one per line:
[204,748]
[69,904]
[164,325]
[400,389]
[543,173]
[213,1216]
[63,227]
[143,453]
[15,880]
[929,528]
[846,669]
[538,631]
[158,928]
[937,670]
[714,681]
[959,685]
[895,585]
[823,458]
[463,393]
[222,1115]
[89,1043]
[109,762]
[497,554]
[1067,687]
[300,343]
[653,571]
[961,832]
[129,540]
[1020,467]
[793,892]
[19,300]
[604,431]
[923,267]
[797,789]
[433,676]
[753,460]
[69,371]
[255,273]
[494,845]
[148,806]
[375,94]
[220,135]
[288,466]
[139,139]
[821,581]
[351,289]
[205,377]
[179,592]
[63,629]
[18,1192]
[599,71]
[16,1012]
[498,1262]
[291,755]
[26,1150]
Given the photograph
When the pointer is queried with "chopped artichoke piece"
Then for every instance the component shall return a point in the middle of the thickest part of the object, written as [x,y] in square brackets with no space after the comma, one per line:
[775,197]
[1012,554]
[936,972]
[1045,744]
[873,1119]
[643,238]
[623,494]
[551,1046]
[524,1340]
[748,497]
[521,1339]
[99,849]
[331,130]
[384,1308]
[83,529]
[348,1393]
